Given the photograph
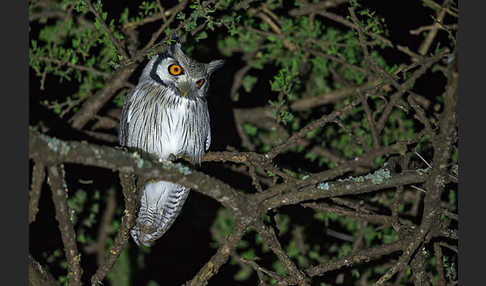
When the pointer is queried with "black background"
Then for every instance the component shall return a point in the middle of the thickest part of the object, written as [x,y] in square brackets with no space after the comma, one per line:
[183,250]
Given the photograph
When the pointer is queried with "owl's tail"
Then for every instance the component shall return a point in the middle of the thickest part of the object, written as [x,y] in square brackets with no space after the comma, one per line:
[161,203]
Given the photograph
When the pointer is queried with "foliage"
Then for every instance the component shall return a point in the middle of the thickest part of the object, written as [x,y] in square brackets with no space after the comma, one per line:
[288,66]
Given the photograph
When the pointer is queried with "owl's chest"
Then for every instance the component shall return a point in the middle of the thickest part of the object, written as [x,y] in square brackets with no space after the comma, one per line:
[174,134]
[163,127]
[179,129]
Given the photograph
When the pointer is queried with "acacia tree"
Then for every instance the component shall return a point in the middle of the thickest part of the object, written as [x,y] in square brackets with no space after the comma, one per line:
[334,156]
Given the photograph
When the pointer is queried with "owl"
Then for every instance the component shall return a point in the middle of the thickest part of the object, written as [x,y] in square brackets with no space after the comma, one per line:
[167,115]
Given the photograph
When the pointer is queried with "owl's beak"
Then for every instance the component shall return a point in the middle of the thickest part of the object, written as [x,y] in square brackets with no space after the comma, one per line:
[185,88]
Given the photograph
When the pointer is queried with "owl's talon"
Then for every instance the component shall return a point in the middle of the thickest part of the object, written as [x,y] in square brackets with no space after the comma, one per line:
[172,157]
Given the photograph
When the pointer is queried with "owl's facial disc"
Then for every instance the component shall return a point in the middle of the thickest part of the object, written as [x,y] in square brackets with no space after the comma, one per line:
[184,76]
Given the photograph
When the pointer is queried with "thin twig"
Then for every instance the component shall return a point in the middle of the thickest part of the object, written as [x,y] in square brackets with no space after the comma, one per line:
[424,47]
[345,22]
[162,15]
[221,256]
[259,269]
[99,246]
[311,126]
[425,65]
[313,7]
[270,239]
[108,31]
[308,102]
[128,220]
[438,7]
[156,35]
[355,258]
[422,158]
[75,66]
[372,218]
[407,253]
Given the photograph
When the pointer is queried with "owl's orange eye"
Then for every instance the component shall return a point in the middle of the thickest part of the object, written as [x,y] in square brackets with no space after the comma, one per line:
[200,83]
[175,69]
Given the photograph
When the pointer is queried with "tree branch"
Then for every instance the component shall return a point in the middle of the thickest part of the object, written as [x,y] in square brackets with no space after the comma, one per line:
[217,260]
[63,216]
[130,194]
[108,31]
[356,258]
[95,102]
[53,151]
[39,276]
[38,177]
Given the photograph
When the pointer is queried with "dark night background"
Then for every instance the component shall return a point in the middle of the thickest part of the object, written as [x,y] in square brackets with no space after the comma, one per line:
[180,253]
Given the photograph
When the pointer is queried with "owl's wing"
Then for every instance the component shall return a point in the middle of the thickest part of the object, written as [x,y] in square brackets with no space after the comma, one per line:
[208,139]
[124,119]
[208,127]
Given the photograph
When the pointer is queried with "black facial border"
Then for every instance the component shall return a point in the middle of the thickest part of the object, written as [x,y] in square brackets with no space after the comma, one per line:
[153,72]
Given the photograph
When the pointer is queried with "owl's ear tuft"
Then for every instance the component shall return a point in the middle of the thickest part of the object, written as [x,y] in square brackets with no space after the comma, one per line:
[215,65]
[174,37]
[176,44]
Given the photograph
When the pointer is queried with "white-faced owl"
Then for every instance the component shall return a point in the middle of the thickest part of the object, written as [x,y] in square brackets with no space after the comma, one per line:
[167,115]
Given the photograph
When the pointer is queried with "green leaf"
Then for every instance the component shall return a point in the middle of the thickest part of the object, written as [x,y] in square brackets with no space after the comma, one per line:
[243,274]
[248,82]
[278,267]
[202,35]
[250,129]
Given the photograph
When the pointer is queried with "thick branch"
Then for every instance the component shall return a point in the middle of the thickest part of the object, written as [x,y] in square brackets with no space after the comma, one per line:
[436,181]
[51,151]
[347,187]
[63,216]
[38,176]
[39,276]
[94,103]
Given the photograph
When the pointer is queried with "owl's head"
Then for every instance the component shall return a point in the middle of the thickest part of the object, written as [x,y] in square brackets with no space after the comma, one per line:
[180,73]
